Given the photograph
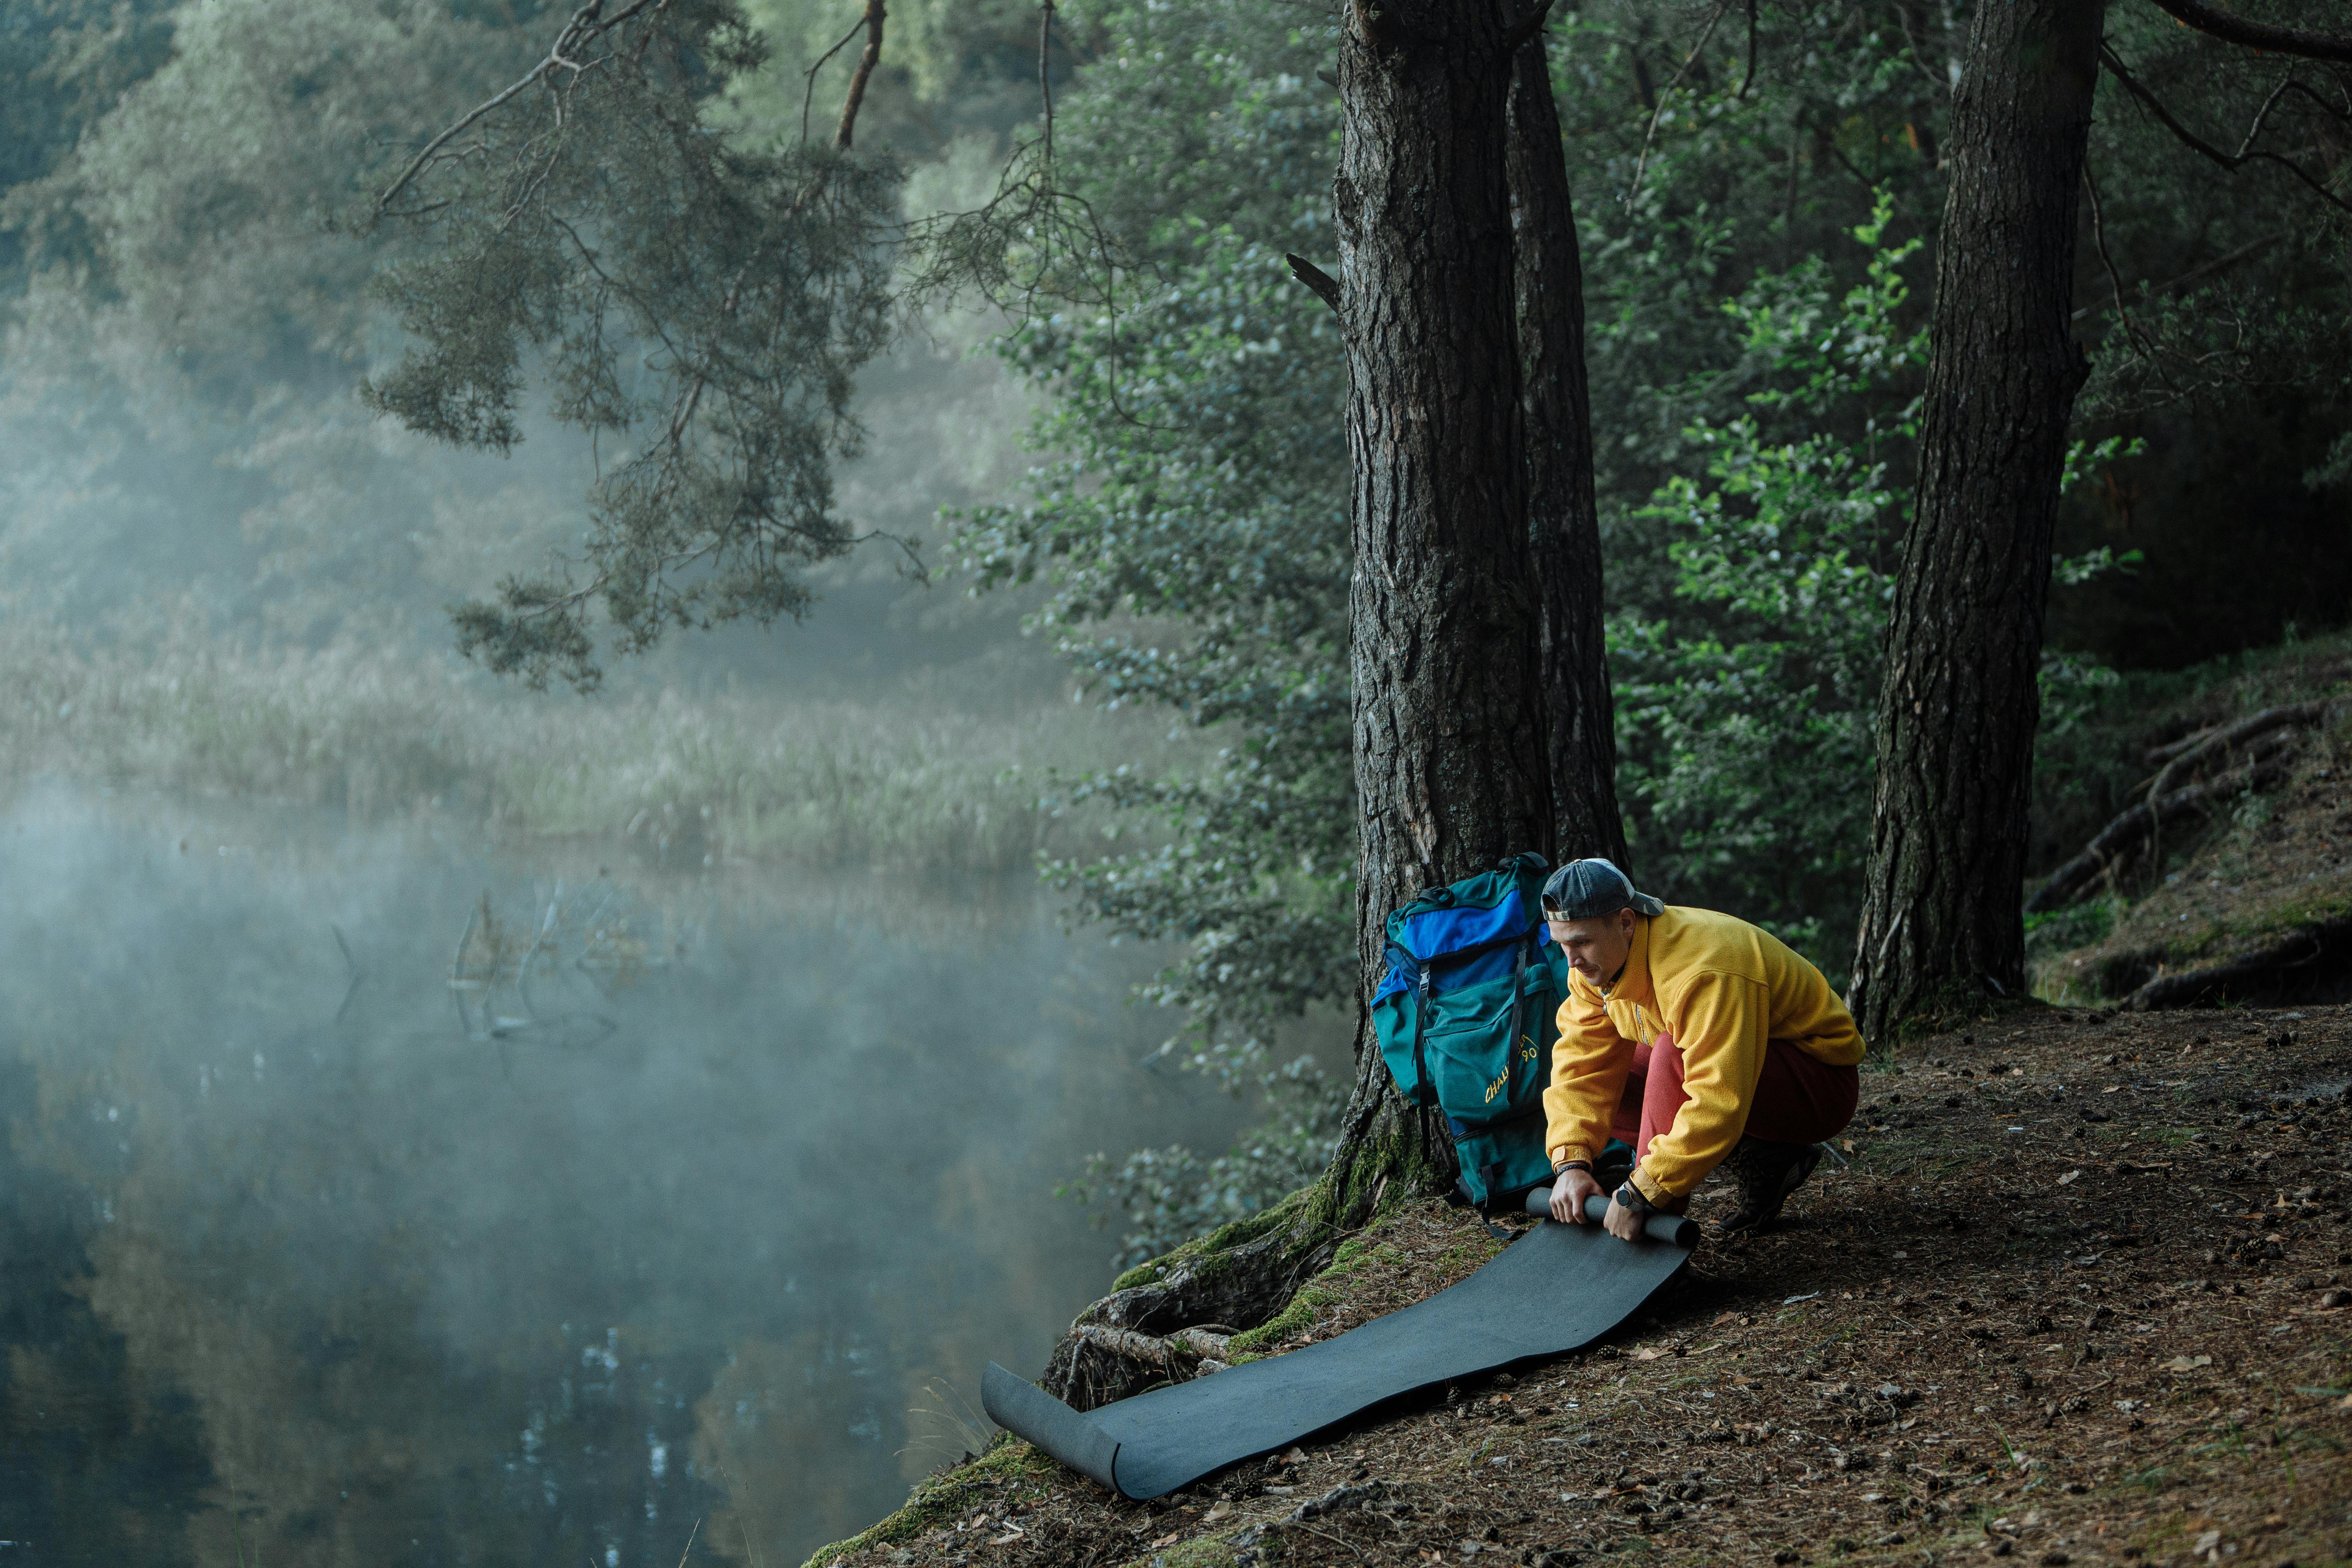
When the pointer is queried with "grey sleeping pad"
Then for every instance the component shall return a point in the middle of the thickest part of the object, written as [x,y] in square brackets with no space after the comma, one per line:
[1555,1289]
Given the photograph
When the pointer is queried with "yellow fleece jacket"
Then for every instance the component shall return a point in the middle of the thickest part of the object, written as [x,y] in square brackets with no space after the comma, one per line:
[1724,989]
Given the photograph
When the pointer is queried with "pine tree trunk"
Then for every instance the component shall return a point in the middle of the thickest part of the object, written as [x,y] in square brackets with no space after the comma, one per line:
[1452,750]
[1941,925]
[1452,754]
[1563,524]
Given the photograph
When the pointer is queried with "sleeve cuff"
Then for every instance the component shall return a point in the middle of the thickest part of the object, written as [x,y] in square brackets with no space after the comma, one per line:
[1567,1152]
[1647,1185]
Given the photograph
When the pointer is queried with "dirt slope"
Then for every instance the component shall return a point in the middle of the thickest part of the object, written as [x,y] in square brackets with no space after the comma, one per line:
[2258,878]
[2076,1301]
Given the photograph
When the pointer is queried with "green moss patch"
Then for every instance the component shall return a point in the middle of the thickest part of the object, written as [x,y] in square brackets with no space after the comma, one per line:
[1010,1470]
[1211,1551]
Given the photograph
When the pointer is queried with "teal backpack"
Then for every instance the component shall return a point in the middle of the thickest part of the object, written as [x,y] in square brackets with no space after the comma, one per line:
[1466,1019]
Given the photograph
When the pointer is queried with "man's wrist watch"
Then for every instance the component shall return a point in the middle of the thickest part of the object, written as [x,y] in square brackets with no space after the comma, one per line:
[1630,1196]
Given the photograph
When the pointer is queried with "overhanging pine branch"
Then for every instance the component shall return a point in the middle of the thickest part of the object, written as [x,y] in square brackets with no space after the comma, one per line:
[587,24]
[2253,34]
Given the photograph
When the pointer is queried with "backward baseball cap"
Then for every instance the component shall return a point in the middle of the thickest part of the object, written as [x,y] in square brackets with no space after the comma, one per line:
[1588,889]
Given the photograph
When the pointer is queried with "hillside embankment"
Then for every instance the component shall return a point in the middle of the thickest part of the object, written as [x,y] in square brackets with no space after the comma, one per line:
[2206,836]
[2081,1297]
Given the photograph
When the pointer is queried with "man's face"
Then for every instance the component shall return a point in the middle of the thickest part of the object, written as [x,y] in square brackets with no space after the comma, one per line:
[1597,948]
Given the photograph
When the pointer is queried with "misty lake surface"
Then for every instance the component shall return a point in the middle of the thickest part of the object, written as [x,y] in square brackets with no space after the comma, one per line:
[585,1205]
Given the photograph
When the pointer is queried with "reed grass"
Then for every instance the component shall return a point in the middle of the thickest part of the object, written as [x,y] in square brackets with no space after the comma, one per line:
[688,779]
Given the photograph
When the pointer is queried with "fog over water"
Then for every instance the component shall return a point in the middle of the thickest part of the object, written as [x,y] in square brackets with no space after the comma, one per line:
[758,1165]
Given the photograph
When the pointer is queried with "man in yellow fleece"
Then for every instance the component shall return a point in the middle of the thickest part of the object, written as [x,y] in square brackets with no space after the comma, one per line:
[1699,1039]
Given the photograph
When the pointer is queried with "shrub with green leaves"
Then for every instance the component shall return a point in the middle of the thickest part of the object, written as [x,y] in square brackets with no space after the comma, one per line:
[1746,731]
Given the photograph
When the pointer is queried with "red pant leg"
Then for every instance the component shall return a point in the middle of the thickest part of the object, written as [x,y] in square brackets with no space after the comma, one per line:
[1662,1091]
[1801,1098]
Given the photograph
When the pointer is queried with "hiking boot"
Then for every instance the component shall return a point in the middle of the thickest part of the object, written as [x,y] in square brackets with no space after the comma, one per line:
[1762,1175]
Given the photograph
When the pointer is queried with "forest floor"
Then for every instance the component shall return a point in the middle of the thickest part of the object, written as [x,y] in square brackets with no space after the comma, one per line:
[2079,1298]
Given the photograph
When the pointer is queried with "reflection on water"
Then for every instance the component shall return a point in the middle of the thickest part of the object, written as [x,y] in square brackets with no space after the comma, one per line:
[284,1287]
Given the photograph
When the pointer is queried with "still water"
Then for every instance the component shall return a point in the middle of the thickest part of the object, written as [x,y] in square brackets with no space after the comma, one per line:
[376,1196]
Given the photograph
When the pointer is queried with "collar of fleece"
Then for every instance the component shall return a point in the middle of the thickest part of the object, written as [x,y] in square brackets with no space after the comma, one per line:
[1633,982]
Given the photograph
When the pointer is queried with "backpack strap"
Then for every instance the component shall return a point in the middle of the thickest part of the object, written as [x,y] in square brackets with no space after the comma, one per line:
[1423,1092]
[1518,997]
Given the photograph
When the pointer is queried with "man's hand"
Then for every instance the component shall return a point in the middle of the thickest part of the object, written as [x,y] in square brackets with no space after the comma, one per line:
[1622,1223]
[1569,1191]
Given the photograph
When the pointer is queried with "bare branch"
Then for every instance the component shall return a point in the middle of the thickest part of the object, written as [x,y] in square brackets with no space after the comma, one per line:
[1658,115]
[2114,279]
[2232,162]
[808,93]
[866,64]
[586,25]
[2204,270]
[1326,287]
[1044,72]
[1749,79]
[2256,35]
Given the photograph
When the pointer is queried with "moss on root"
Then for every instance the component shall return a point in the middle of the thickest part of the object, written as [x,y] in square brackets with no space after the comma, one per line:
[1311,1298]
[1202,1250]
[1011,1470]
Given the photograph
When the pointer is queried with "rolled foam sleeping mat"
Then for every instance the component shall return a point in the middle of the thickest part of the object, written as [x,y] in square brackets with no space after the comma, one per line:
[1672,1228]
[1555,1289]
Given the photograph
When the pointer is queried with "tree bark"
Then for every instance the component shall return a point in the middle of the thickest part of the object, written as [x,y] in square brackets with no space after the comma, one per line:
[1451,746]
[1563,524]
[1941,926]
[1453,753]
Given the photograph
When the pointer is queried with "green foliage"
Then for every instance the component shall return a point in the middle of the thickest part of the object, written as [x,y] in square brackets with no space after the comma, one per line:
[174,385]
[1191,518]
[1192,508]
[1693,179]
[1163,1197]
[1196,482]
[654,241]
[1748,740]
[63,63]
[2256,308]
[213,184]
[703,304]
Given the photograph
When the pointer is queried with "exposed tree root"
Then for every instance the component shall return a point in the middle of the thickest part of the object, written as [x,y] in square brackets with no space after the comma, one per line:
[2261,972]
[1170,1318]
[2189,749]
[2127,833]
